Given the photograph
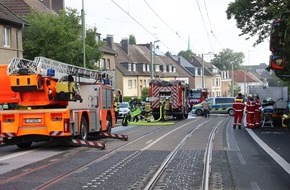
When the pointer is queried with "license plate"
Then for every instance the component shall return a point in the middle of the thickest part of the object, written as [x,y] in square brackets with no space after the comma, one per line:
[33,120]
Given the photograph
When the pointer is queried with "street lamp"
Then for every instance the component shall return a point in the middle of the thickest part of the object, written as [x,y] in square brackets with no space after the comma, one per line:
[203,80]
[152,56]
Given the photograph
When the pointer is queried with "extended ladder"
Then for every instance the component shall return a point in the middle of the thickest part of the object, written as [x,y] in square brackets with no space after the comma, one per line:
[41,65]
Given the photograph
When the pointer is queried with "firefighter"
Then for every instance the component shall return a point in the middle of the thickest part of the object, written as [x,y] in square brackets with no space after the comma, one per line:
[257,111]
[166,109]
[250,111]
[148,111]
[238,106]
[116,109]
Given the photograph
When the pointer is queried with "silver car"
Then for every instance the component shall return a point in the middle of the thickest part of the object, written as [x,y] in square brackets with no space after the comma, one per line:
[123,109]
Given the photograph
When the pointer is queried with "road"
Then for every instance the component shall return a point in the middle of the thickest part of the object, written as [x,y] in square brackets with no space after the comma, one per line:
[195,153]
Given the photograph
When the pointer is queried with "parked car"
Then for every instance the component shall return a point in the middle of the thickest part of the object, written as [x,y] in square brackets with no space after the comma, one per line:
[124,108]
[219,105]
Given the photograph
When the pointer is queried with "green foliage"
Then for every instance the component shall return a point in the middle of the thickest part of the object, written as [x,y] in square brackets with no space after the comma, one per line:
[58,37]
[132,40]
[254,18]
[226,57]
[144,93]
[188,54]
[237,89]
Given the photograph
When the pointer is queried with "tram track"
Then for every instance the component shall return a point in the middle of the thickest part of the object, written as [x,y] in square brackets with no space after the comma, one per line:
[152,171]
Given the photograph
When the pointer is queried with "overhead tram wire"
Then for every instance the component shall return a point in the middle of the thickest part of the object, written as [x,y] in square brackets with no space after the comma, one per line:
[204,25]
[211,30]
[175,32]
[139,23]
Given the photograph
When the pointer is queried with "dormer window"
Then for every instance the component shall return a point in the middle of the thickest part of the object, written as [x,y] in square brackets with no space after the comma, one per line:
[157,68]
[174,69]
[164,68]
[134,66]
[148,67]
[129,67]
[170,68]
[144,67]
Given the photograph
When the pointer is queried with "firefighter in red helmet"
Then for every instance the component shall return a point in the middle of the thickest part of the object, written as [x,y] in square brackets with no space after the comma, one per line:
[238,106]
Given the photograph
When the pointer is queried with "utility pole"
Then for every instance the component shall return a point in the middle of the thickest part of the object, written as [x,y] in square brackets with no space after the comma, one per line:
[84,34]
[233,79]
[151,60]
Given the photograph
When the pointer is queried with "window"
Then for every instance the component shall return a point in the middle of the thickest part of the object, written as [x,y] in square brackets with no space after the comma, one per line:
[129,84]
[164,68]
[157,68]
[174,69]
[170,68]
[145,84]
[217,82]
[144,67]
[102,63]
[108,64]
[135,83]
[148,67]
[129,67]
[7,35]
[134,67]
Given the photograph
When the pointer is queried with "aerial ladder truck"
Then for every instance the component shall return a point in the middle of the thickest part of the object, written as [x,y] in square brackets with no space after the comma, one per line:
[58,101]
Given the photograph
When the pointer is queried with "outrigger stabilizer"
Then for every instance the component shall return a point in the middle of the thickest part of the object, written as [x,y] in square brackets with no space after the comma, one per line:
[96,144]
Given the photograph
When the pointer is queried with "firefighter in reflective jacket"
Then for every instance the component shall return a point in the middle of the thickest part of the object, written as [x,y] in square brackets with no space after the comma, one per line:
[166,109]
[147,111]
[116,109]
[238,106]
[250,110]
[257,111]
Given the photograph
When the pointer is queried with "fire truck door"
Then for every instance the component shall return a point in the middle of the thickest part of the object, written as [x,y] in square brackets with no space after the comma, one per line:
[94,104]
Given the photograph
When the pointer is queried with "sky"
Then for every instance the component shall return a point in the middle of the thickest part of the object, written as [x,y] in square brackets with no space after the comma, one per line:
[201,25]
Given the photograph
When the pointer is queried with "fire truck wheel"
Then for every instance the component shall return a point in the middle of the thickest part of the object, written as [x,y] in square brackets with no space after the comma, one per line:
[84,129]
[109,124]
[24,145]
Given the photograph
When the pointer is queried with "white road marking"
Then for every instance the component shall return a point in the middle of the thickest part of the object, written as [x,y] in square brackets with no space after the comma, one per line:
[283,163]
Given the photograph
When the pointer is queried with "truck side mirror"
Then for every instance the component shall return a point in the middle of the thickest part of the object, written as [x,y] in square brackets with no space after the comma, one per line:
[277,62]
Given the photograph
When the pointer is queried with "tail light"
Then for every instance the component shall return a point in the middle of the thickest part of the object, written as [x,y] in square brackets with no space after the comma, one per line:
[66,125]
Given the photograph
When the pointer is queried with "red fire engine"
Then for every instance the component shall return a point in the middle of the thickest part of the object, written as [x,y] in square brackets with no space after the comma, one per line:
[196,96]
[173,91]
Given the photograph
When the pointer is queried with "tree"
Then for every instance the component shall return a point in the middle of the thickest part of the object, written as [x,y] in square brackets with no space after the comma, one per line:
[58,37]
[132,40]
[255,17]
[237,89]
[188,54]
[144,93]
[226,57]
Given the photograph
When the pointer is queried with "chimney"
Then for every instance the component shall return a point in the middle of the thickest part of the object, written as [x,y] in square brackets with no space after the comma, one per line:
[110,40]
[125,45]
